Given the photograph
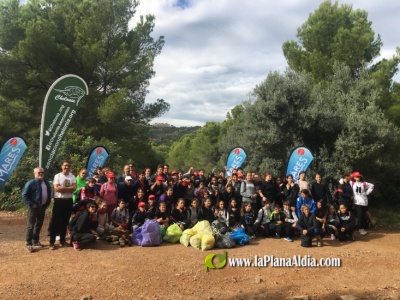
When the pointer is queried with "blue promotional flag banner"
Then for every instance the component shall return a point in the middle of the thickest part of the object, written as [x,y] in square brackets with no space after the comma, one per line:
[235,160]
[299,160]
[59,108]
[10,155]
[96,159]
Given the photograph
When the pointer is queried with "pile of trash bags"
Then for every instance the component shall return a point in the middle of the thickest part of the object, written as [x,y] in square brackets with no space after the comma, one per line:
[205,236]
[202,236]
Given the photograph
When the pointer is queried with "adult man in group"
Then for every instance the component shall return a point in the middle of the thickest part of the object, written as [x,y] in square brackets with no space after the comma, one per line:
[127,172]
[126,191]
[37,196]
[64,185]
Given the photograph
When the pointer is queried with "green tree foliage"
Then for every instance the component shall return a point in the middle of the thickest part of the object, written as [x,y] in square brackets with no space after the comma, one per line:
[42,40]
[333,33]
[337,33]
[197,150]
[340,123]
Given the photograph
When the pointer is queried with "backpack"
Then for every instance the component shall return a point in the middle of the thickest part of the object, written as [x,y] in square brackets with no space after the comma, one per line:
[72,222]
[305,240]
[78,194]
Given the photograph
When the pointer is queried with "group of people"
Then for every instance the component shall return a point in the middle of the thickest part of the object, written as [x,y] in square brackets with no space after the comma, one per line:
[87,208]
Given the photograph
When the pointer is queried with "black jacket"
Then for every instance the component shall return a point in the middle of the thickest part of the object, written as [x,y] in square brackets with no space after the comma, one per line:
[309,223]
[345,196]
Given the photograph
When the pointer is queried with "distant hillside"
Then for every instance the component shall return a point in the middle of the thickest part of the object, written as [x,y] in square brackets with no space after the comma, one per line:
[165,134]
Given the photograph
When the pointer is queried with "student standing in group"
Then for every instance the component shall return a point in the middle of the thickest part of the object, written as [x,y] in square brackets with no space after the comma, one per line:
[302,182]
[320,191]
[64,186]
[361,190]
[109,192]
[291,191]
[81,182]
[37,195]
[248,192]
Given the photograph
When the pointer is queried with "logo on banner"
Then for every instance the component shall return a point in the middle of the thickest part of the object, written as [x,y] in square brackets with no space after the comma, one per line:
[299,161]
[71,94]
[235,160]
[96,159]
[10,155]
[59,108]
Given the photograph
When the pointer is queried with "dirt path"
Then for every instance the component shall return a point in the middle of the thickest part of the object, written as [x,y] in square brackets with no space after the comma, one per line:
[370,270]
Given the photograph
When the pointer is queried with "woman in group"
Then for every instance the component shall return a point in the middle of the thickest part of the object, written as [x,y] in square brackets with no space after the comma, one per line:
[139,197]
[109,193]
[83,227]
[291,191]
[80,183]
[302,182]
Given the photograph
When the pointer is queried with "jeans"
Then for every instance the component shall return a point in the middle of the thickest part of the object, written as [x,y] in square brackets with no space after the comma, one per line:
[84,238]
[34,225]
[62,210]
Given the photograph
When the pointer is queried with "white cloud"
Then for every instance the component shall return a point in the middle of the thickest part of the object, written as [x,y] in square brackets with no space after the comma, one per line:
[217,51]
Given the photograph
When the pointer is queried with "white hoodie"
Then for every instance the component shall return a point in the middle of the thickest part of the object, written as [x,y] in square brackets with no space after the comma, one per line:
[360,191]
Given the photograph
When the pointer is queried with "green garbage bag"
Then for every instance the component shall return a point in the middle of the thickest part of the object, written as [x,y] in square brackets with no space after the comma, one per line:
[162,230]
[173,234]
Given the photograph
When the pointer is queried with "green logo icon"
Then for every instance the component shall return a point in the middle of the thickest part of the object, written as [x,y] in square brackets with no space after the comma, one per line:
[208,261]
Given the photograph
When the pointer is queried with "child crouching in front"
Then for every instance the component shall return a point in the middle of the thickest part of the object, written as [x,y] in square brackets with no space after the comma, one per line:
[138,217]
[347,223]
[151,207]
[120,215]
[308,227]
[263,221]
[282,228]
[248,219]
[162,216]
[332,222]
[102,219]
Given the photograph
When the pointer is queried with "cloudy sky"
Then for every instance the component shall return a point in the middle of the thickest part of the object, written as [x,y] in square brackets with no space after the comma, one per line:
[217,51]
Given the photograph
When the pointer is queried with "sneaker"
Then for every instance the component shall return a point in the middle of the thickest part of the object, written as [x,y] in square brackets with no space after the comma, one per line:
[319,243]
[333,237]
[38,244]
[252,237]
[29,248]
[289,239]
[278,236]
[362,232]
[62,244]
[372,226]
[51,246]
[76,246]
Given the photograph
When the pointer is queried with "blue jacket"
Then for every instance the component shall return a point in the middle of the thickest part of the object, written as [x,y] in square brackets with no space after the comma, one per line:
[310,202]
[32,193]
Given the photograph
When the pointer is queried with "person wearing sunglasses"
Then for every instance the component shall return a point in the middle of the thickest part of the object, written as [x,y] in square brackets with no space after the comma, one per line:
[83,227]
[37,196]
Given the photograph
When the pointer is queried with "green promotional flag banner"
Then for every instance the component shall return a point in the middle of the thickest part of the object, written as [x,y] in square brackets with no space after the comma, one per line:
[60,106]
